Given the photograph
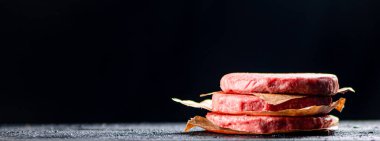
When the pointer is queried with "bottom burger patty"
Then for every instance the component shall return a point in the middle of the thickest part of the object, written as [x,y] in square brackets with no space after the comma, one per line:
[235,103]
[267,124]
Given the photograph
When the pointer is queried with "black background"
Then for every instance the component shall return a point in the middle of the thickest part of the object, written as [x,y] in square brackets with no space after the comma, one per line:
[122,61]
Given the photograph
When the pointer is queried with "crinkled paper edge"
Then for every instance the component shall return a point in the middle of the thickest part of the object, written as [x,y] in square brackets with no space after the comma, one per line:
[344,90]
[204,123]
[205,104]
[307,111]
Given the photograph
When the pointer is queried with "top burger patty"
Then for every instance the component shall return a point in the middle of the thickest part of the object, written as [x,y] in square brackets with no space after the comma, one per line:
[285,83]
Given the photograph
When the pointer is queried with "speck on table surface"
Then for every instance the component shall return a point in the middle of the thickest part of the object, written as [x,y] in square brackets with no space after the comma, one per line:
[348,130]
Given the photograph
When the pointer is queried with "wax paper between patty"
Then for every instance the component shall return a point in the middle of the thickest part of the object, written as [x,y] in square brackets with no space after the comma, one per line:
[307,111]
[275,99]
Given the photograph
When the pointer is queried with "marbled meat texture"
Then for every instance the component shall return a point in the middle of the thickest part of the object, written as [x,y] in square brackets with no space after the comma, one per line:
[267,124]
[236,103]
[281,83]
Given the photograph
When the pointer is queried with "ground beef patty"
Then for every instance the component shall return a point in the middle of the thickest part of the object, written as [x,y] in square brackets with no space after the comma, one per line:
[266,124]
[286,83]
[235,103]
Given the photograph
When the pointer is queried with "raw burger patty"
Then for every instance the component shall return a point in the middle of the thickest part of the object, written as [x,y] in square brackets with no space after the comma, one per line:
[266,124]
[235,103]
[286,83]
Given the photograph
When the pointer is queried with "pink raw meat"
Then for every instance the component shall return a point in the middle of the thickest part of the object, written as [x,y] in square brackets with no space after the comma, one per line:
[236,103]
[281,83]
[267,124]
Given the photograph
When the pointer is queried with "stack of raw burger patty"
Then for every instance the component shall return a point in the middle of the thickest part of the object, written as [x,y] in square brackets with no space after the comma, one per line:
[266,103]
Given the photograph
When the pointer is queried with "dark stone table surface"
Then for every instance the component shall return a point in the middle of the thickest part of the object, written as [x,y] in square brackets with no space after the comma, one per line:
[348,130]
